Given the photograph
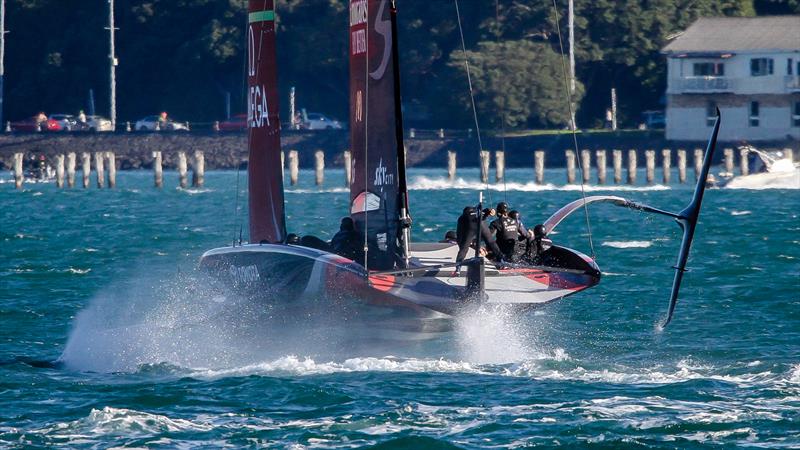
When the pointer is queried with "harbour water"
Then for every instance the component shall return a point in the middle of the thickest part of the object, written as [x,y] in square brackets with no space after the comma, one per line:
[110,338]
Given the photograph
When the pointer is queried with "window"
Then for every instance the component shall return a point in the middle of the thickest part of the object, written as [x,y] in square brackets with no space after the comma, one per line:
[711,114]
[760,67]
[754,110]
[708,69]
[789,66]
[796,115]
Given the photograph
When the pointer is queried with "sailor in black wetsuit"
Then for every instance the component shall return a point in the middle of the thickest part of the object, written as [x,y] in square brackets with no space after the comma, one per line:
[507,231]
[539,245]
[467,231]
[524,239]
[347,242]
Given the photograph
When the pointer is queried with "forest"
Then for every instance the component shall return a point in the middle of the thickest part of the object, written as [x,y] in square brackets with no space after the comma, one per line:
[186,57]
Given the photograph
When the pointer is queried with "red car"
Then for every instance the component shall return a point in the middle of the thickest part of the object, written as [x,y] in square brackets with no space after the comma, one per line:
[32,125]
[235,123]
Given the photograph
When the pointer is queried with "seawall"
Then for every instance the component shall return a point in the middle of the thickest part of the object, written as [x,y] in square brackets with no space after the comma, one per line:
[229,150]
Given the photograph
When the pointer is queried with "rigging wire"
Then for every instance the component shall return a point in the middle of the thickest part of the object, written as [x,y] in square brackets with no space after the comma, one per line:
[503,107]
[236,220]
[573,125]
[471,93]
[366,142]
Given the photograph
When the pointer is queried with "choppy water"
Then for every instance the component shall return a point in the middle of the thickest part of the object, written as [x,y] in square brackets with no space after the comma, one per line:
[103,281]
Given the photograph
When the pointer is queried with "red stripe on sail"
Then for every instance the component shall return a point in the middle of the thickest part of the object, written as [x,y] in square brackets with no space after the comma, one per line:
[265,176]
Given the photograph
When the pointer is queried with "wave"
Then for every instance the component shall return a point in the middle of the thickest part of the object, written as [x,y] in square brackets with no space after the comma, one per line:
[424,183]
[759,181]
[121,422]
[627,244]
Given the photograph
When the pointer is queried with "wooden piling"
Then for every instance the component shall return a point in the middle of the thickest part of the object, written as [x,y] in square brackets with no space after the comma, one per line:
[100,169]
[538,166]
[681,165]
[158,170]
[499,166]
[666,164]
[632,163]
[586,165]
[698,162]
[18,175]
[617,155]
[600,156]
[650,165]
[485,166]
[451,165]
[319,167]
[199,166]
[729,162]
[112,169]
[59,171]
[183,180]
[744,168]
[570,155]
[71,169]
[86,168]
[293,166]
[348,168]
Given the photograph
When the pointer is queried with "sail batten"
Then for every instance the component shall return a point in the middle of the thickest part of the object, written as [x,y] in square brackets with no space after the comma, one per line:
[375,191]
[265,174]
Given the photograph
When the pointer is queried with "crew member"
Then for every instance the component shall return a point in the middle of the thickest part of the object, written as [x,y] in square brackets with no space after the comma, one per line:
[524,239]
[347,242]
[450,237]
[467,231]
[507,231]
[540,244]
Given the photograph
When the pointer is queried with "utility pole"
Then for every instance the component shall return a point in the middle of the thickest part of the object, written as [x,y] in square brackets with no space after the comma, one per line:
[113,65]
[2,54]
[571,26]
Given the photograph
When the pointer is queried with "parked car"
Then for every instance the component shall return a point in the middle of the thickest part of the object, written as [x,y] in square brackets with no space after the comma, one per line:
[654,119]
[98,123]
[68,122]
[235,123]
[151,123]
[316,121]
[31,124]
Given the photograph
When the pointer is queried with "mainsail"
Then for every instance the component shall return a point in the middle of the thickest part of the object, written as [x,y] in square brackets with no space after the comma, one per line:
[377,191]
[265,175]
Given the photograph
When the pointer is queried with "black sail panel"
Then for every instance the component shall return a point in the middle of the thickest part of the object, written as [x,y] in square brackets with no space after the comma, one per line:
[374,202]
[265,176]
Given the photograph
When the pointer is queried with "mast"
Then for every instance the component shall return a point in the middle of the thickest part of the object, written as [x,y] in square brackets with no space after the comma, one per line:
[112,66]
[376,198]
[405,218]
[2,54]
[265,177]
[571,26]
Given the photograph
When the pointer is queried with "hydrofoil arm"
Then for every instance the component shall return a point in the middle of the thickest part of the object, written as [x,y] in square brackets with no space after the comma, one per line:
[687,218]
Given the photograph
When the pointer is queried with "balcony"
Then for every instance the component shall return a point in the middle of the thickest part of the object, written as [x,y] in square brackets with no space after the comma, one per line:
[773,84]
[699,85]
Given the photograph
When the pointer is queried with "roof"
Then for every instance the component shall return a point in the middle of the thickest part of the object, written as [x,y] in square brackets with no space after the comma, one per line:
[737,34]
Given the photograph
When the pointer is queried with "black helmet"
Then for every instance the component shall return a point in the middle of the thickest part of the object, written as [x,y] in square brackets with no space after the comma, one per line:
[539,230]
[292,238]
[502,208]
[347,224]
[514,214]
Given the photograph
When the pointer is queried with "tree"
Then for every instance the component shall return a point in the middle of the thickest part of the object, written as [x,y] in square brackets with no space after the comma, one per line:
[521,80]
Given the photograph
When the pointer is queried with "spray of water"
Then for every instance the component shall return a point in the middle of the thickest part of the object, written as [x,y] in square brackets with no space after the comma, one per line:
[189,322]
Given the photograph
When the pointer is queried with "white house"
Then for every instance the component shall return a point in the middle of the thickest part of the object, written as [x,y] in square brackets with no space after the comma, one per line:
[749,67]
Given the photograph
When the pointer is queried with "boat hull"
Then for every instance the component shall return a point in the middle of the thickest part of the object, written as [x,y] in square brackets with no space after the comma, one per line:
[295,281]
